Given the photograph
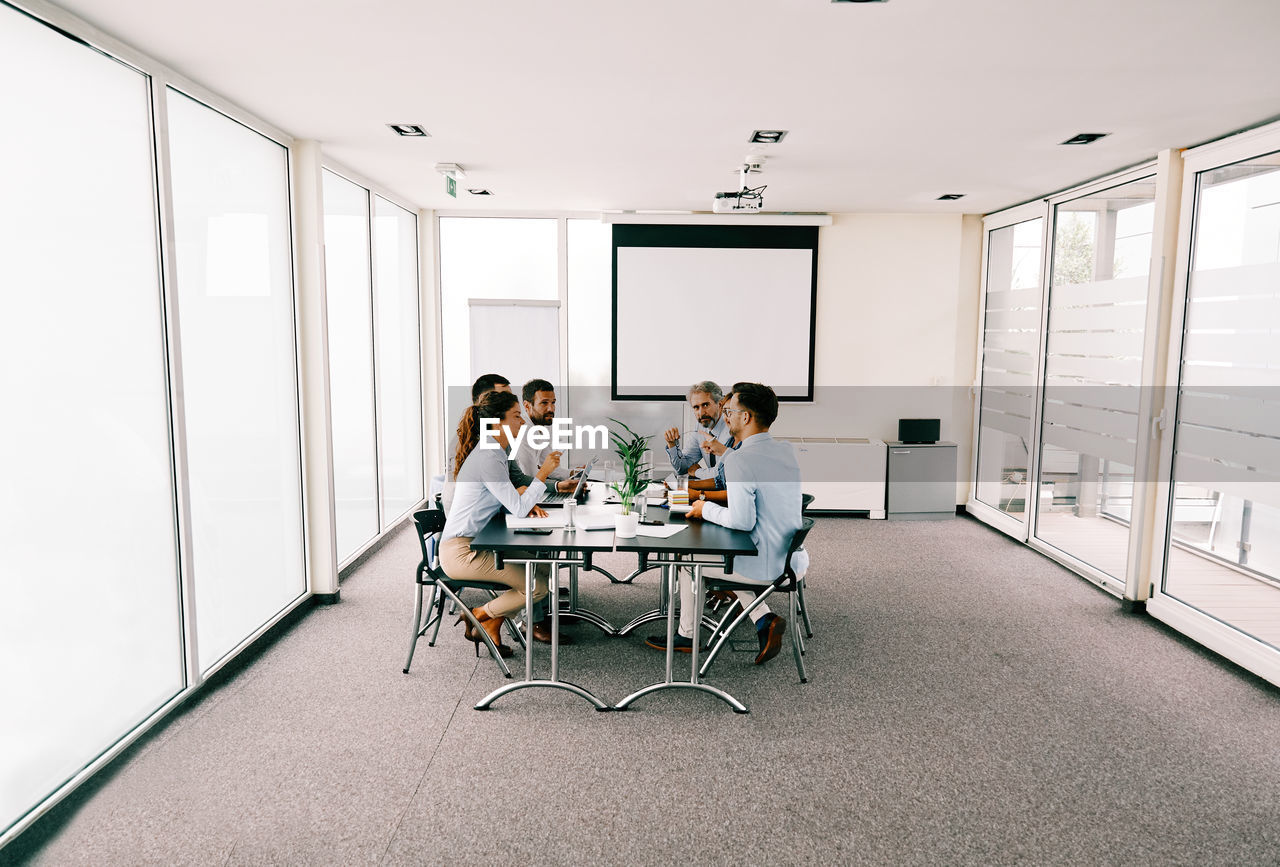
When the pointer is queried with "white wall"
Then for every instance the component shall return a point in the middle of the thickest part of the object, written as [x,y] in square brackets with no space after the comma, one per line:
[897,329]
[896,333]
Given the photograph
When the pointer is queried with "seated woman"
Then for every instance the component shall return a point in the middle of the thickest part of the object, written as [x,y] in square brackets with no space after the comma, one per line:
[483,488]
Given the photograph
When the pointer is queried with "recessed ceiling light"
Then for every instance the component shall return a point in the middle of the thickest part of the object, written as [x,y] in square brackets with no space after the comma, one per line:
[768,136]
[409,129]
[1085,138]
[480,192]
[950,197]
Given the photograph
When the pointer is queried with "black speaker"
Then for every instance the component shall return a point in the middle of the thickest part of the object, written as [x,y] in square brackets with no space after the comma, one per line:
[919,430]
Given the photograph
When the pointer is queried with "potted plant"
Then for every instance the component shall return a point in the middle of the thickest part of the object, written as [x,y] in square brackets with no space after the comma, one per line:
[630,450]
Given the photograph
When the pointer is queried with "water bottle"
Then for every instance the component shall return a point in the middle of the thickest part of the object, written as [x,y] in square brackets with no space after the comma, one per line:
[569,507]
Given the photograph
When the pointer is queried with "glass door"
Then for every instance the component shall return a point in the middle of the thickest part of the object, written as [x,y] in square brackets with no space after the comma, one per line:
[1008,373]
[1101,263]
[1221,510]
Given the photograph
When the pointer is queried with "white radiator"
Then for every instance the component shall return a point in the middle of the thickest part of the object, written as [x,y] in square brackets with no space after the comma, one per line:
[843,473]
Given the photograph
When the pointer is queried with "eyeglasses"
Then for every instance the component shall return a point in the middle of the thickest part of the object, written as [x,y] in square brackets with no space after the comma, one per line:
[727,411]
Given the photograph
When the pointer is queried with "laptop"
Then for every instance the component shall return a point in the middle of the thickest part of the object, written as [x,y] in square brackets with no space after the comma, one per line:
[579,493]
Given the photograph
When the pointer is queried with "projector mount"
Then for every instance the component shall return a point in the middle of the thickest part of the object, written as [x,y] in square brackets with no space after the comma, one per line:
[747,199]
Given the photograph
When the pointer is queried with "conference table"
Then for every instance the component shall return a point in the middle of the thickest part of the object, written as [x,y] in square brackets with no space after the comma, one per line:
[698,545]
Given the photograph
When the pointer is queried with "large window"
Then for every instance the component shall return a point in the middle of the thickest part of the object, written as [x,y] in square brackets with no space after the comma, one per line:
[1093,370]
[235,292]
[527,271]
[375,360]
[399,365]
[90,630]
[350,314]
[1223,521]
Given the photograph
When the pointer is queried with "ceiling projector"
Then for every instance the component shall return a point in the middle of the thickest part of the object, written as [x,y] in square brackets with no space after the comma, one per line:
[743,202]
[747,200]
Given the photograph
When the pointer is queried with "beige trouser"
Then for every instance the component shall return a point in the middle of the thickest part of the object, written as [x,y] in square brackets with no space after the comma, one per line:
[689,608]
[461,563]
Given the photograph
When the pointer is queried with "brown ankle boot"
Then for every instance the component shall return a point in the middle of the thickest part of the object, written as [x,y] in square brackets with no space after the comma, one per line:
[493,626]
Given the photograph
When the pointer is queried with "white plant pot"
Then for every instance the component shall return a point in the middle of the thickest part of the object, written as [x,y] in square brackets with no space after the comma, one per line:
[625,526]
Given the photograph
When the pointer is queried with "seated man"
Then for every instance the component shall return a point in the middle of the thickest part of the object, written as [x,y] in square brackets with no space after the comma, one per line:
[713,489]
[705,399]
[763,481]
[540,408]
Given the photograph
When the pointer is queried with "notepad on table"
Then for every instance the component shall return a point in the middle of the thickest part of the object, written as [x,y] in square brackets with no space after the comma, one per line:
[551,521]
[662,531]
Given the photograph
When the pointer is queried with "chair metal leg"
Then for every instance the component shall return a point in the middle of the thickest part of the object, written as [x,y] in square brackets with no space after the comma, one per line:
[437,605]
[804,609]
[724,637]
[796,647]
[478,629]
[417,625]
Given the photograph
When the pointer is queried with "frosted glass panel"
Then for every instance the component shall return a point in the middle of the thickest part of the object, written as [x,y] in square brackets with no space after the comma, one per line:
[1010,344]
[90,635]
[1093,371]
[395,256]
[231,221]
[1223,553]
[350,308]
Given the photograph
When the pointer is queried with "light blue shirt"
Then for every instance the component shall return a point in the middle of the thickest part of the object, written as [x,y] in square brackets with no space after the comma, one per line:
[720,463]
[682,459]
[763,479]
[483,488]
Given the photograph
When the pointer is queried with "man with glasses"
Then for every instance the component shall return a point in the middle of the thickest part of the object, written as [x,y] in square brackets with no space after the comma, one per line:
[763,480]
[704,398]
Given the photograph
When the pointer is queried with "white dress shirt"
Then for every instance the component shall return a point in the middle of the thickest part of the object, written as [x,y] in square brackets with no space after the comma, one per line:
[763,480]
[682,459]
[529,459]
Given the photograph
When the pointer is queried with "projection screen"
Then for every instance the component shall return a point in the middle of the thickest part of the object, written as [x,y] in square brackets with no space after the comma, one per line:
[725,303]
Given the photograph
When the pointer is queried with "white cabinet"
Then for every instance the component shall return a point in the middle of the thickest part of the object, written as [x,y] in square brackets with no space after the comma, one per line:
[842,473]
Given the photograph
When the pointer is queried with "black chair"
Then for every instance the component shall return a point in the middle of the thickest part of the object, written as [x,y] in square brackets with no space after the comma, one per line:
[785,583]
[806,500]
[430,523]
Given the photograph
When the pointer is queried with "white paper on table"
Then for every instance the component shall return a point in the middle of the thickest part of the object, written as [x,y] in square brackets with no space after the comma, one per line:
[594,522]
[514,523]
[662,531]
[655,501]
[679,510]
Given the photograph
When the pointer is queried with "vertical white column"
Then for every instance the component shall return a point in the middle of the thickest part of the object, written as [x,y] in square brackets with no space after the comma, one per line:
[1155,355]
[433,437]
[313,335]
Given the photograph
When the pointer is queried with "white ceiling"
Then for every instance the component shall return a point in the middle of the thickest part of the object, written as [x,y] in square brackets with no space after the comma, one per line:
[596,105]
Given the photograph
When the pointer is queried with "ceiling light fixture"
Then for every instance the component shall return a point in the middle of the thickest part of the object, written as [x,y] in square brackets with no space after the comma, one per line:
[767,136]
[1082,138]
[950,197]
[412,130]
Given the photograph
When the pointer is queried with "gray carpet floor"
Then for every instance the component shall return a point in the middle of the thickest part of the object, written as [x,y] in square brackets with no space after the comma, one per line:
[970,702]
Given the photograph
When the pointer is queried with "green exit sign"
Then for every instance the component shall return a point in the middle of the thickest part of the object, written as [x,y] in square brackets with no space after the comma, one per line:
[451,186]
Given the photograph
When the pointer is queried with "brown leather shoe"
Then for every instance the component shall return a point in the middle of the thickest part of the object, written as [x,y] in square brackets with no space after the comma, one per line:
[542,634]
[770,637]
